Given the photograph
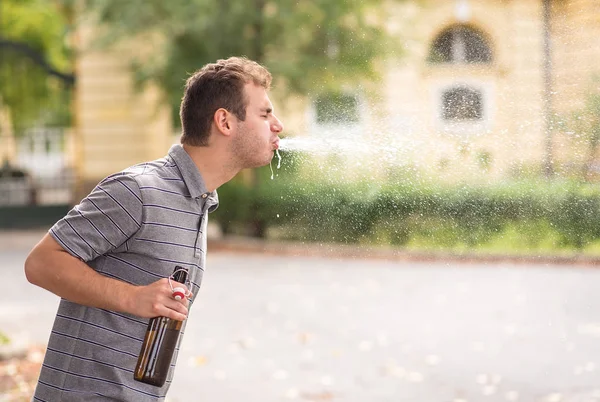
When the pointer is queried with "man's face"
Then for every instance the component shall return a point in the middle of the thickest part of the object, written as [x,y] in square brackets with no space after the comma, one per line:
[256,138]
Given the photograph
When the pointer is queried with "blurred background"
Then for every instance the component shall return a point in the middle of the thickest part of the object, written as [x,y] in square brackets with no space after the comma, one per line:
[421,124]
[414,129]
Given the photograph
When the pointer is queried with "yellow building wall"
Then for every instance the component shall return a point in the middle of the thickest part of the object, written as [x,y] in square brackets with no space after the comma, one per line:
[576,66]
[576,51]
[116,125]
[513,84]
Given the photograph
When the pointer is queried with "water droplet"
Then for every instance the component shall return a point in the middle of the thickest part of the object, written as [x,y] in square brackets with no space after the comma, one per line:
[279,158]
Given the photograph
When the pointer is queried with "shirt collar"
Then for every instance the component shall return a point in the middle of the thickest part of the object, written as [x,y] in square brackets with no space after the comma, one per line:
[190,174]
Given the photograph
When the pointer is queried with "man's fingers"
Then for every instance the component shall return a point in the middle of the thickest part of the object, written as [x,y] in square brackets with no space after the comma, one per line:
[174,315]
[176,309]
[157,300]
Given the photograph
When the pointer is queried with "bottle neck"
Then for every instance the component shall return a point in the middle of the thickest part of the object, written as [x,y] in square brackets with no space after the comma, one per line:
[180,274]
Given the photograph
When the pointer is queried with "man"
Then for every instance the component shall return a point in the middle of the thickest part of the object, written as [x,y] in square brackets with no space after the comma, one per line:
[109,258]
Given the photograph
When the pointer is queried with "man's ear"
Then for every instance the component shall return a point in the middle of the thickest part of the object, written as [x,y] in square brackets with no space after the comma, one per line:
[223,121]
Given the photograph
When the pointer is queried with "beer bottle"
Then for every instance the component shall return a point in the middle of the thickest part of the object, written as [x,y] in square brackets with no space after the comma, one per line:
[160,342]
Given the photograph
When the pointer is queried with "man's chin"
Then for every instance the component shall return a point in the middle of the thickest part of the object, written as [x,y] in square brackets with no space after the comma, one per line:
[269,159]
[262,163]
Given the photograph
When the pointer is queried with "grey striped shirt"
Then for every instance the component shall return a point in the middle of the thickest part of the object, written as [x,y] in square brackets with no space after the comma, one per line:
[136,226]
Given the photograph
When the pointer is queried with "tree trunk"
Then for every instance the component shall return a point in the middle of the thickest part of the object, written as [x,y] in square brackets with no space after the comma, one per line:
[547,101]
[256,227]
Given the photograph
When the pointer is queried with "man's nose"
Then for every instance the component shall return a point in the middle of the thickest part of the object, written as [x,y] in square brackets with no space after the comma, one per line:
[276,125]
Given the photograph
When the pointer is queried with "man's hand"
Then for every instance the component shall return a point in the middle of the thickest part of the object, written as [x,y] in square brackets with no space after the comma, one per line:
[157,299]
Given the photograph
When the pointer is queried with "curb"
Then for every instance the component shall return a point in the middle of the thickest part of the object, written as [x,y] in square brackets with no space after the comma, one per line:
[26,239]
[343,251]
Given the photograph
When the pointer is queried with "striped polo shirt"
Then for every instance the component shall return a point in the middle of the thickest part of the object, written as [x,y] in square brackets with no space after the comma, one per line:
[135,226]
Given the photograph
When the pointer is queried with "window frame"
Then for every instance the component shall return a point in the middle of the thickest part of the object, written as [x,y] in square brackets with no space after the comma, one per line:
[470,126]
[458,51]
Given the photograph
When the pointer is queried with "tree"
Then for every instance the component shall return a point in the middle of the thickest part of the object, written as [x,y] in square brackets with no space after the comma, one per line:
[310,46]
[34,62]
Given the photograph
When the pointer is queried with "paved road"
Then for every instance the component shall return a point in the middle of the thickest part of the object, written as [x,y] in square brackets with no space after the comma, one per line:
[269,328]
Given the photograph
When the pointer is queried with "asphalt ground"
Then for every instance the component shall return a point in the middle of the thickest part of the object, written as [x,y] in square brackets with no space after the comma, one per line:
[284,322]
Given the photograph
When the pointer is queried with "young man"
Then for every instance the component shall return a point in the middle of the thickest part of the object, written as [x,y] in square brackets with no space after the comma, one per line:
[109,258]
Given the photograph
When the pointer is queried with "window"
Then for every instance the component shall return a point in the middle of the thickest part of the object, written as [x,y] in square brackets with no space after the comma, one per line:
[337,108]
[460,45]
[337,114]
[462,104]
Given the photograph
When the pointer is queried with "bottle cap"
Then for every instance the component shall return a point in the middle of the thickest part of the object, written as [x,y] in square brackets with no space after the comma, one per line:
[180,275]
[178,293]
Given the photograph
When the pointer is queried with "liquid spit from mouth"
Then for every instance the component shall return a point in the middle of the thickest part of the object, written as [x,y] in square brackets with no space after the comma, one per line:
[278,163]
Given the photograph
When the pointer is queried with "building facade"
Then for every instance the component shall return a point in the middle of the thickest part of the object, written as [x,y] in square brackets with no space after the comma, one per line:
[474,92]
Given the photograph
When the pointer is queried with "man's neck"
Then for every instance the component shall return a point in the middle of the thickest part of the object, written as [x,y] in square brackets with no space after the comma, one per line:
[212,165]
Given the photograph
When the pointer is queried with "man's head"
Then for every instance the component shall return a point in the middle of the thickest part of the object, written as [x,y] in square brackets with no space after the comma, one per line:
[217,85]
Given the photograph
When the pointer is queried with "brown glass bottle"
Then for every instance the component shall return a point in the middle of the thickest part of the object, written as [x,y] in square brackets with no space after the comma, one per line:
[159,344]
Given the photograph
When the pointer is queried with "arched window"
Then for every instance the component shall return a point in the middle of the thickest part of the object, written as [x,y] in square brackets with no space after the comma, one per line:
[460,44]
[462,104]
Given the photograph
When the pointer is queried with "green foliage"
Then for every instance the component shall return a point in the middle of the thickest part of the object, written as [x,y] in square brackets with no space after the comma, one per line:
[31,95]
[526,215]
[309,45]
[334,107]
[4,340]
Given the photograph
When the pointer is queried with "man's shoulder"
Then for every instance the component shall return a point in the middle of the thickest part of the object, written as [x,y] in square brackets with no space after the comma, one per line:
[162,175]
[148,172]
[163,166]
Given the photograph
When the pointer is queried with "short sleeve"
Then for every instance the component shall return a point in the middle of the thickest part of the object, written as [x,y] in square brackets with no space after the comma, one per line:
[103,221]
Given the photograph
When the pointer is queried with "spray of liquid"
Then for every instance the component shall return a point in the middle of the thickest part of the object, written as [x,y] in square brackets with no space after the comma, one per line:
[352,153]
[278,163]
[379,147]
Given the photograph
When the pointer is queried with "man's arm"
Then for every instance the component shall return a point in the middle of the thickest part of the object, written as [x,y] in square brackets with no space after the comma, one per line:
[52,268]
